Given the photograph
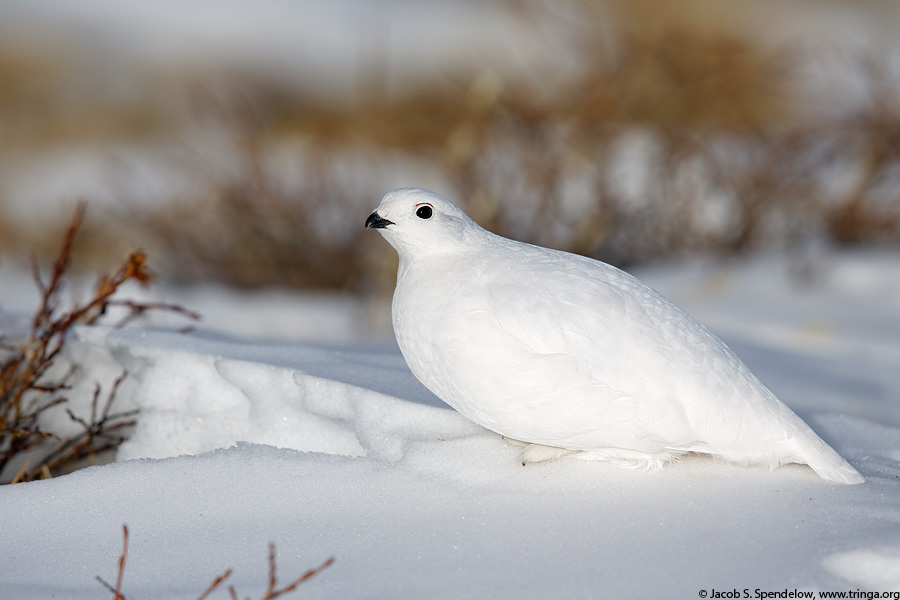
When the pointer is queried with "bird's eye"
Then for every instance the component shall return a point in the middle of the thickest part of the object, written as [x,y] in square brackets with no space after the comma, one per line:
[424,212]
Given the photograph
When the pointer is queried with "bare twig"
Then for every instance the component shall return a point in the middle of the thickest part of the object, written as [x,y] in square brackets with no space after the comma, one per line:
[272,591]
[117,591]
[137,309]
[97,435]
[216,583]
[25,385]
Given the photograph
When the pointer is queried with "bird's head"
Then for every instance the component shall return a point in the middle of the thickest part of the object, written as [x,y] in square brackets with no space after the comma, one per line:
[418,222]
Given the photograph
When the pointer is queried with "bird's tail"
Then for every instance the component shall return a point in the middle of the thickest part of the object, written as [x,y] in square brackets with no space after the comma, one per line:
[829,465]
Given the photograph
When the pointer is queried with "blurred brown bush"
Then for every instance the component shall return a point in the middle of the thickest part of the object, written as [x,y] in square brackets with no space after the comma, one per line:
[676,135]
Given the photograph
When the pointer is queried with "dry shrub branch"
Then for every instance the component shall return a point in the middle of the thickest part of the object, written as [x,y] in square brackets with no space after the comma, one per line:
[272,590]
[30,386]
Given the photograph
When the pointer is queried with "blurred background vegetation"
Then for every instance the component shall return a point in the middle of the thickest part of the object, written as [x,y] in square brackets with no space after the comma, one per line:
[245,143]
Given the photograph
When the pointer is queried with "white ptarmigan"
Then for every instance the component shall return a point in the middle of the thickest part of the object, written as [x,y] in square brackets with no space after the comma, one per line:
[568,355]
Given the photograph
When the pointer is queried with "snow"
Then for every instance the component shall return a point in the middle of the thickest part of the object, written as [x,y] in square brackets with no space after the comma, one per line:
[881,567]
[332,448]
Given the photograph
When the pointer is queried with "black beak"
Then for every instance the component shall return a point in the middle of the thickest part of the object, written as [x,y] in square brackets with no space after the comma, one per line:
[375,221]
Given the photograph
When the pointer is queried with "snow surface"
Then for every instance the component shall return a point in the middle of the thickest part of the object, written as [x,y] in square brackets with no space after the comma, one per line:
[334,449]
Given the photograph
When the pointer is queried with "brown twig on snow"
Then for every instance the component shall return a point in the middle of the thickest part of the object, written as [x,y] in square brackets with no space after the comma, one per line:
[117,591]
[216,583]
[100,428]
[26,388]
[272,590]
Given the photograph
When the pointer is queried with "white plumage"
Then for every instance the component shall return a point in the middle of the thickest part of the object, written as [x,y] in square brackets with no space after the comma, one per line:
[568,355]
